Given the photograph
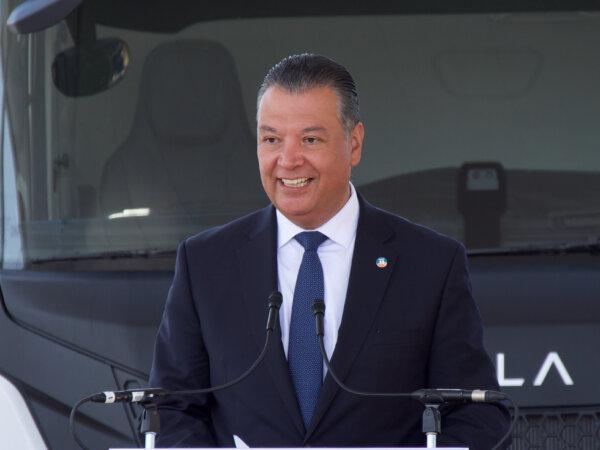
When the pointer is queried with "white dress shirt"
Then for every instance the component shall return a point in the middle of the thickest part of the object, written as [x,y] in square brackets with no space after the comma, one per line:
[336,258]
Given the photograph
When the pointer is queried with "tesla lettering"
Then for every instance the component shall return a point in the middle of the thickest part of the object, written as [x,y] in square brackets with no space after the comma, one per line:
[552,359]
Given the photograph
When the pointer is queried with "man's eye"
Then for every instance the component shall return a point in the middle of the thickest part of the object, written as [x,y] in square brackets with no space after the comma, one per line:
[311,140]
[270,140]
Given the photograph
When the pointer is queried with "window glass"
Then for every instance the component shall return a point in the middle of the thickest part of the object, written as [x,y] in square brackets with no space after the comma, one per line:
[480,126]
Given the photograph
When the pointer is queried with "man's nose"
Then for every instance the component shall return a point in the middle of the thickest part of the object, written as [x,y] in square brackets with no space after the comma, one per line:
[290,156]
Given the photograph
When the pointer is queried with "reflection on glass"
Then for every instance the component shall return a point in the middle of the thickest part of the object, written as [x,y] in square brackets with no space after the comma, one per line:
[133,212]
[176,133]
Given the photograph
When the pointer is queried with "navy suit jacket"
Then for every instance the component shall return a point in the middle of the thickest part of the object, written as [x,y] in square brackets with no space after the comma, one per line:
[410,325]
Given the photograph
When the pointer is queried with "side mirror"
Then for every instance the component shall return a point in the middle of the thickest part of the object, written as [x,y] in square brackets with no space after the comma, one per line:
[91,68]
[36,15]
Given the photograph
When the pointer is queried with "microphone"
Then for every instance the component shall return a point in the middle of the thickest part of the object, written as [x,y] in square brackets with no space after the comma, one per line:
[319,312]
[275,300]
[138,395]
[431,398]
[141,395]
[426,396]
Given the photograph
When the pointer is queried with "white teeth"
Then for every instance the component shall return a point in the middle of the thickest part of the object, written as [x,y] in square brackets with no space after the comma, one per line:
[296,182]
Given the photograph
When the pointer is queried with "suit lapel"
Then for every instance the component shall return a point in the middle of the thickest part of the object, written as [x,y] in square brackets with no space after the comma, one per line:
[258,268]
[366,289]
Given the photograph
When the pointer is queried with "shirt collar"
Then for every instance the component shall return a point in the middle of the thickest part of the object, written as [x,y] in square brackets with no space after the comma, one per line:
[340,229]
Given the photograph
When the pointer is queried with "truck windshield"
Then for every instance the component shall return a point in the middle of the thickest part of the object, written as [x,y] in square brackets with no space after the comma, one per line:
[482,126]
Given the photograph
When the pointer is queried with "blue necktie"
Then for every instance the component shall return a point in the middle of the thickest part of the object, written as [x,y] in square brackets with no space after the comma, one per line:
[304,356]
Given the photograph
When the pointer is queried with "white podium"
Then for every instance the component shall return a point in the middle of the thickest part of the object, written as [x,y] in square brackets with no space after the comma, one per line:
[323,448]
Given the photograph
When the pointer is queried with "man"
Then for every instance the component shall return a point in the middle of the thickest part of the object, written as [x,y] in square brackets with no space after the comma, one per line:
[399,312]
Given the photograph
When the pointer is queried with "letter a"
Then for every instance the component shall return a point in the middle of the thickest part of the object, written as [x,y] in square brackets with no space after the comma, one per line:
[551,359]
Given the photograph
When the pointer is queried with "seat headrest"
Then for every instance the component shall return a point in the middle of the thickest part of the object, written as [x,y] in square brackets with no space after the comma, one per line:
[187,91]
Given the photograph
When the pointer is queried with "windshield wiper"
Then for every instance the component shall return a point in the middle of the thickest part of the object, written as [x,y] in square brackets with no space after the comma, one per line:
[121,254]
[592,247]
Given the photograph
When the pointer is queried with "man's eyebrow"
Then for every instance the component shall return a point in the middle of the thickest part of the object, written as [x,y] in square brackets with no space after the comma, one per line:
[315,128]
[267,128]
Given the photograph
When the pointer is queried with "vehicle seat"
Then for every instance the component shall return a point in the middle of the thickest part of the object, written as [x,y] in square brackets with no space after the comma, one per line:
[190,151]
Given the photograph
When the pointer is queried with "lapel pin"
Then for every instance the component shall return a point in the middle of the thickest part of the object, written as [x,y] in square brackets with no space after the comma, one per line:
[381,262]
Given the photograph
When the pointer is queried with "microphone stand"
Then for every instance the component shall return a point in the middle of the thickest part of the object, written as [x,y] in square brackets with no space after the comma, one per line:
[150,424]
[432,418]
[432,424]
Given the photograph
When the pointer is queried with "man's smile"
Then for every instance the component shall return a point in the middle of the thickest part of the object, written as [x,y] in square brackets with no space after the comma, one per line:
[295,182]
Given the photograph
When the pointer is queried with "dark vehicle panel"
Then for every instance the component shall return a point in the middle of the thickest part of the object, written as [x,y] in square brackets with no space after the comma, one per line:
[481,124]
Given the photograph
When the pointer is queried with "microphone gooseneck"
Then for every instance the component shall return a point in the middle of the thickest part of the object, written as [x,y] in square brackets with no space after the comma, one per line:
[142,395]
[429,397]
[319,312]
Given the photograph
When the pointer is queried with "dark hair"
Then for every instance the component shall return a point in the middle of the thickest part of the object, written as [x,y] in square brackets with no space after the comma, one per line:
[298,73]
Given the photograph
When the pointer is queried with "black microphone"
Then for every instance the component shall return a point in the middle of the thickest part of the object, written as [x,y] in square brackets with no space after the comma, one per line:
[141,395]
[138,395]
[432,398]
[275,300]
[319,312]
[427,396]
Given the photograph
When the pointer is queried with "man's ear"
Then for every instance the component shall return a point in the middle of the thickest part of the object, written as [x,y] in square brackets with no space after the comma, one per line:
[357,136]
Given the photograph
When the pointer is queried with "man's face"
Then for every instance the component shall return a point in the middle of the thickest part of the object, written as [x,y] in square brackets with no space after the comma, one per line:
[304,155]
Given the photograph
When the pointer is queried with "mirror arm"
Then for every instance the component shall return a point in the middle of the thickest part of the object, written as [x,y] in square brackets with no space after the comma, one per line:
[81,25]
